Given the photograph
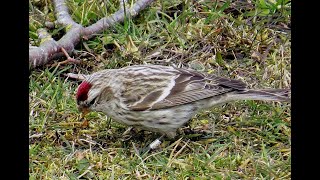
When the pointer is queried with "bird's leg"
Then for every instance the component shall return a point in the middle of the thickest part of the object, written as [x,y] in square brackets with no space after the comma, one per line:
[126,134]
[197,133]
[127,131]
[152,145]
[156,142]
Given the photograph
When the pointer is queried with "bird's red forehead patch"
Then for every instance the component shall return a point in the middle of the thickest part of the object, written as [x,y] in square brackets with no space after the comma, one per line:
[83,90]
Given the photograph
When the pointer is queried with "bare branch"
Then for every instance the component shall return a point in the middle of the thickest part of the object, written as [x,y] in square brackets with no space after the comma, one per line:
[44,35]
[50,49]
[41,54]
[62,14]
[118,16]
[49,25]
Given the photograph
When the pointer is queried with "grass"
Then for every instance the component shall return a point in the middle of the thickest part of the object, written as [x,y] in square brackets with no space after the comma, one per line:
[238,140]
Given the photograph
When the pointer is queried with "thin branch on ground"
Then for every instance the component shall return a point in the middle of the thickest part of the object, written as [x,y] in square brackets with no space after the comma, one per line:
[76,76]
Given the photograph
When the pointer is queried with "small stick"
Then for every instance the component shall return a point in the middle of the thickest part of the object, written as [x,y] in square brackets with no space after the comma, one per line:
[69,59]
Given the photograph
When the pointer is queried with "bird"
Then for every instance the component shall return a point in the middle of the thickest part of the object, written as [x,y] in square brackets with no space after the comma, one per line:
[161,98]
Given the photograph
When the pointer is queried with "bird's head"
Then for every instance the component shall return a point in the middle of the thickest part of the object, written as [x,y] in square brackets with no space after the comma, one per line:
[94,92]
[86,97]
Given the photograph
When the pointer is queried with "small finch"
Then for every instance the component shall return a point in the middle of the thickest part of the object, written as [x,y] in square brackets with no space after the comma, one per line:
[161,98]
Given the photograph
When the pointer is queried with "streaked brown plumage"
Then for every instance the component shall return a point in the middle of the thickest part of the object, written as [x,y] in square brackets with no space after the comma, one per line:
[161,98]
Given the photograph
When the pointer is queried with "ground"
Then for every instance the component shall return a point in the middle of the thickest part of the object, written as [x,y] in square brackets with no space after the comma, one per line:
[244,40]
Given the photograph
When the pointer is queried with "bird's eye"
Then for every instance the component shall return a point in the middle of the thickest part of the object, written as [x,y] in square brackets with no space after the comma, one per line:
[92,101]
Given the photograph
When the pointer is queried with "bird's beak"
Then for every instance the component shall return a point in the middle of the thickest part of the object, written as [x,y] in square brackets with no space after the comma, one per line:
[84,111]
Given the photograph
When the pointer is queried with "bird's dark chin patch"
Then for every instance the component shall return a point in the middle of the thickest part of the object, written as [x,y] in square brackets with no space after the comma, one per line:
[83,90]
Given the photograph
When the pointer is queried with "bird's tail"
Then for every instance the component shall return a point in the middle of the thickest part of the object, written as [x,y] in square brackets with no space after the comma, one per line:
[263,94]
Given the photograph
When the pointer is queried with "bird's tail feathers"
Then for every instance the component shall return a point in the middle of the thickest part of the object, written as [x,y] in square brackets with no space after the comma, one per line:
[263,94]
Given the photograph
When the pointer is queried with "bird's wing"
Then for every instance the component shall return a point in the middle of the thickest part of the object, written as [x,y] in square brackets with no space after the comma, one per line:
[174,87]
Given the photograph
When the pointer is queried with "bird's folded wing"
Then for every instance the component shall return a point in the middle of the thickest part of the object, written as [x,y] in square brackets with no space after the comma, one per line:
[183,86]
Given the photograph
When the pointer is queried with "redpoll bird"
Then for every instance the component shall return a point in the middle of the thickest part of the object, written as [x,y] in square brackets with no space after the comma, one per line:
[160,98]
